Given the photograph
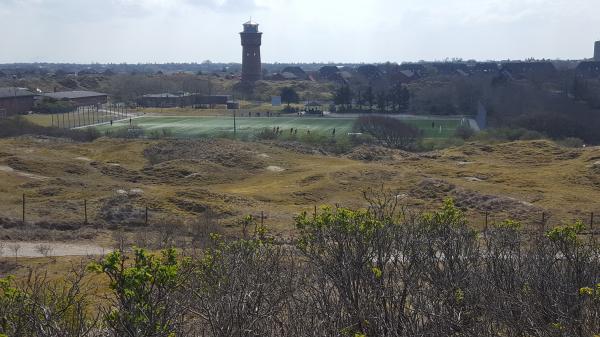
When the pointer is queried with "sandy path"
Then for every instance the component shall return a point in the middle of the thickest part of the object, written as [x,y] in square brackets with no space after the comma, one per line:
[30,249]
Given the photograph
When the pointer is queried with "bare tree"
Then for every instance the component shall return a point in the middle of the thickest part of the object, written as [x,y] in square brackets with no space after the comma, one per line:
[242,287]
[15,248]
[40,307]
[44,249]
[390,131]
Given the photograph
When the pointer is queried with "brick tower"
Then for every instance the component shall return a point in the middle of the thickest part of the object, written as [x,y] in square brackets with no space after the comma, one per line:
[251,40]
[597,51]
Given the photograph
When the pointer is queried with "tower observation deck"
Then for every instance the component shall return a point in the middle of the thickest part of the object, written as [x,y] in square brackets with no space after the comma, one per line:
[251,63]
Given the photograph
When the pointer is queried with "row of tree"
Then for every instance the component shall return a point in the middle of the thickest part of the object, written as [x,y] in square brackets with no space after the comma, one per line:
[374,272]
[395,99]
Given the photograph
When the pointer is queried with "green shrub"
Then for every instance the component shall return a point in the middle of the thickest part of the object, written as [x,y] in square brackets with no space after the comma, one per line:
[143,292]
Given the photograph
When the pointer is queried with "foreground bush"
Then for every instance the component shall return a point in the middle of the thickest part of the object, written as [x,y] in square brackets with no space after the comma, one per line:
[39,307]
[373,272]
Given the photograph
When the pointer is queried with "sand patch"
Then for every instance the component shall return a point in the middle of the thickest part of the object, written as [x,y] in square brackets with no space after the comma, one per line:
[9,169]
[275,168]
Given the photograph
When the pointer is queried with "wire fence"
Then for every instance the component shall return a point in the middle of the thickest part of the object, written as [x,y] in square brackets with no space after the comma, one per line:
[91,115]
[141,212]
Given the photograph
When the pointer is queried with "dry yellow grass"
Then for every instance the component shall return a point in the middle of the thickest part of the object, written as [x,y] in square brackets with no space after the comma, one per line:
[236,179]
[56,176]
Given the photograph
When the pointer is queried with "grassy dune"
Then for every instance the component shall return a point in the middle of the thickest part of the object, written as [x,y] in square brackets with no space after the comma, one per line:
[181,179]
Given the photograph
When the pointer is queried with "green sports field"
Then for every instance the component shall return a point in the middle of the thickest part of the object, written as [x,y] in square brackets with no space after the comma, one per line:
[189,127]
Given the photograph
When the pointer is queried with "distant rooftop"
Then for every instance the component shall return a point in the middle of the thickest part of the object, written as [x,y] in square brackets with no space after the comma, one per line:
[14,92]
[73,94]
[251,23]
[164,95]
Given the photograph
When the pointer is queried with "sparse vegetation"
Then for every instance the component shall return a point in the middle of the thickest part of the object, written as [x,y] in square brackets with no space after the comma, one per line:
[379,271]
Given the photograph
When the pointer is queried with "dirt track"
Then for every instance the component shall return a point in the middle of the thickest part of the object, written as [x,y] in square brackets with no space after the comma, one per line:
[31,249]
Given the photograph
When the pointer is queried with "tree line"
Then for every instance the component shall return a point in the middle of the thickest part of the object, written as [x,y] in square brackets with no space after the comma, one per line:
[393,99]
[379,271]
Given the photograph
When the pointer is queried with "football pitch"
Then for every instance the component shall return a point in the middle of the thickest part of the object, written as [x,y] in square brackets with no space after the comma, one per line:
[190,127]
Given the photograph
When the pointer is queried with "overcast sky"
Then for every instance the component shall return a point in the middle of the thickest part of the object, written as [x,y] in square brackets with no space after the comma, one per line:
[135,31]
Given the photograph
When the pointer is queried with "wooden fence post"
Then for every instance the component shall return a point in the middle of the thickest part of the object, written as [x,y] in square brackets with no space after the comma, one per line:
[543,224]
[146,216]
[23,218]
[592,226]
[85,211]
[486,221]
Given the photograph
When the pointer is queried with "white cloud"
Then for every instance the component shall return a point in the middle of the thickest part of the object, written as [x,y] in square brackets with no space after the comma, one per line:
[296,30]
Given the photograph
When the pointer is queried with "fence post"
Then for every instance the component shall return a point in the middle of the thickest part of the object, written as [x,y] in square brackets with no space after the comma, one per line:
[543,224]
[85,211]
[146,216]
[592,226]
[23,209]
[262,218]
[486,221]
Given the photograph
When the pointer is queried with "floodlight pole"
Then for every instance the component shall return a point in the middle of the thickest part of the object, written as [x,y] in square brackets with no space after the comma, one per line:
[234,122]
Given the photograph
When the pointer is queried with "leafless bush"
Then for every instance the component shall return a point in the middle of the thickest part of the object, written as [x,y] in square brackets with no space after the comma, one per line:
[203,226]
[391,131]
[383,272]
[44,249]
[15,247]
[242,287]
[39,307]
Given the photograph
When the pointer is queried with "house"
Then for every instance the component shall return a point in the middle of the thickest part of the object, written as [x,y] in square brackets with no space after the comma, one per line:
[369,71]
[288,76]
[79,97]
[484,68]
[329,73]
[416,68]
[15,101]
[171,100]
[296,71]
[451,68]
[397,74]
[165,100]
[522,69]
[588,69]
